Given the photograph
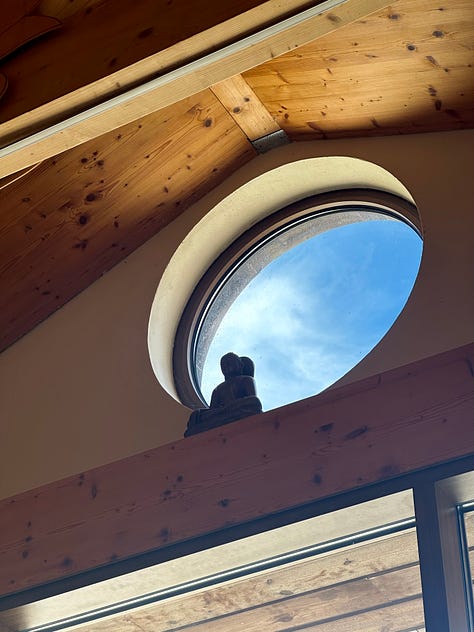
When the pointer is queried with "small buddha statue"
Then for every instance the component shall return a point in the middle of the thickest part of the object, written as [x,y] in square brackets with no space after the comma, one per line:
[233,399]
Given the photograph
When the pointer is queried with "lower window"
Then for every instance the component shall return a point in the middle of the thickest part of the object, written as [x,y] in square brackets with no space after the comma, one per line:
[354,569]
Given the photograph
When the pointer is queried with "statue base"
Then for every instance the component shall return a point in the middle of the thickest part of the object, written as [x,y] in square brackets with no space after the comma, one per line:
[204,419]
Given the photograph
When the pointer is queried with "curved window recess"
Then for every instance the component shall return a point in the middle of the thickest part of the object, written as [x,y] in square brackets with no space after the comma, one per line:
[233,270]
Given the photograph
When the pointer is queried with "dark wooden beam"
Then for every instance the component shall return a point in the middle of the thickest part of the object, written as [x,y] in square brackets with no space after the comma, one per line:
[394,423]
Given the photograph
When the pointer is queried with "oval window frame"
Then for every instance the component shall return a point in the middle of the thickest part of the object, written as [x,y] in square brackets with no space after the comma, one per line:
[208,287]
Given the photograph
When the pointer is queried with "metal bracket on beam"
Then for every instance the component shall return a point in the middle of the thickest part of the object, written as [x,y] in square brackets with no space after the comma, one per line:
[270,141]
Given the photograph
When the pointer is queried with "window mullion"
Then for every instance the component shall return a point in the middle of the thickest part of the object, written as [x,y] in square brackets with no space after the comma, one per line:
[440,559]
[466,567]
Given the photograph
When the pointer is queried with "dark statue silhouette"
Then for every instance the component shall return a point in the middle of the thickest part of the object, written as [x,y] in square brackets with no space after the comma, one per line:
[233,399]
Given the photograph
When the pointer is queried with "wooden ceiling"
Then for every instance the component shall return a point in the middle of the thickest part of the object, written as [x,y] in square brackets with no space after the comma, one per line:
[403,68]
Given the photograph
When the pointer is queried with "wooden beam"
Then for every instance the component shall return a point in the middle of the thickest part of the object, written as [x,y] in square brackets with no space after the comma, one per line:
[400,70]
[36,109]
[394,423]
[168,88]
[101,37]
[245,107]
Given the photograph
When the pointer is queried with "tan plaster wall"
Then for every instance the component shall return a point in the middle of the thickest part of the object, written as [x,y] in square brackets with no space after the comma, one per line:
[79,390]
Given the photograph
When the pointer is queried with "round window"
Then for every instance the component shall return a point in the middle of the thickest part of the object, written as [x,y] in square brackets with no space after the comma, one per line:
[306,293]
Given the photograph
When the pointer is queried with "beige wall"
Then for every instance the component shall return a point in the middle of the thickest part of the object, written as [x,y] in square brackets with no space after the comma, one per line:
[79,391]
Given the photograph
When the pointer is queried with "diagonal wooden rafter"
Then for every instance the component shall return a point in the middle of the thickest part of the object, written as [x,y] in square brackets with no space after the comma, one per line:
[166,89]
[245,108]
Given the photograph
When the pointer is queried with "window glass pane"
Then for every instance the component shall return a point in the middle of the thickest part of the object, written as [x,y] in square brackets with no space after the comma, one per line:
[353,569]
[310,303]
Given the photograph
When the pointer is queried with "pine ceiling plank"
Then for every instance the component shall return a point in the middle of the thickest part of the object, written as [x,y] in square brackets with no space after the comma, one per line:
[8,180]
[170,89]
[408,68]
[245,107]
[23,30]
[80,213]
[64,9]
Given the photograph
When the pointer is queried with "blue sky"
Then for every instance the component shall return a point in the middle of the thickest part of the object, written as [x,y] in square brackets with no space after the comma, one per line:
[317,310]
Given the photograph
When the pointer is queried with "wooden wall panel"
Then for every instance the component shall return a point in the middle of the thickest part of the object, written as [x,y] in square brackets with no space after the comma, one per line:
[407,68]
[309,450]
[77,215]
